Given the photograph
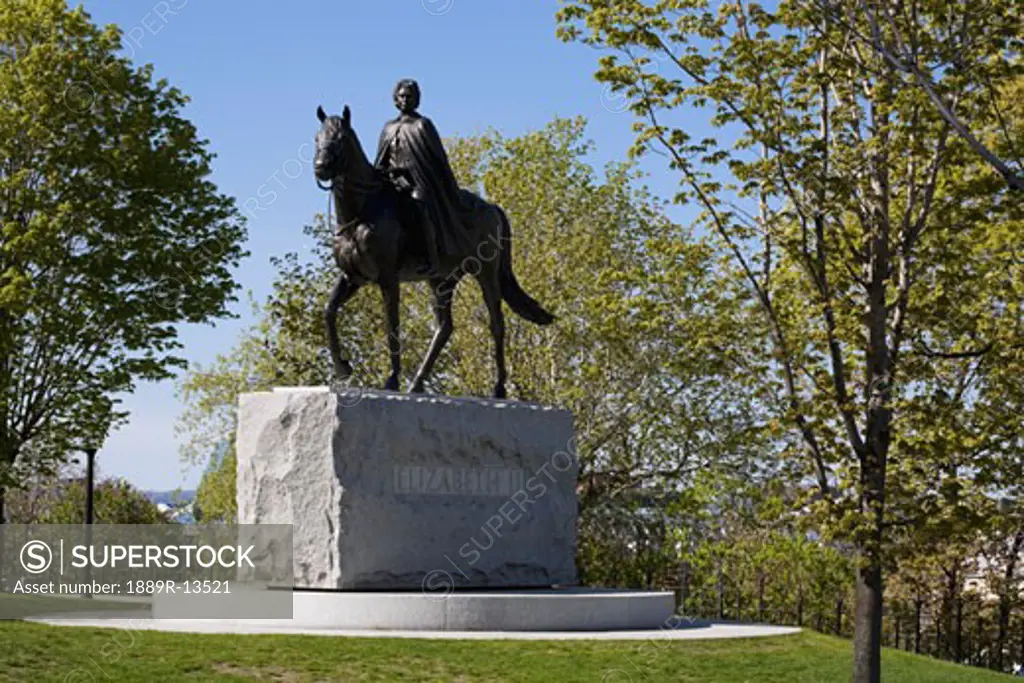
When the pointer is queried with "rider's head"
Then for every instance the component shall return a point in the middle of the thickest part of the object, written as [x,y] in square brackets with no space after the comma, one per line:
[407,95]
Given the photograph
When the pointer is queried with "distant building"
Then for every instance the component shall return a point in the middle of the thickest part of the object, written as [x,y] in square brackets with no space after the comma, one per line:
[181,514]
[178,505]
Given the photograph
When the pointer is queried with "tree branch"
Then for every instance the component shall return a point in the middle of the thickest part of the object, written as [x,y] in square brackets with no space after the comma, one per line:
[925,82]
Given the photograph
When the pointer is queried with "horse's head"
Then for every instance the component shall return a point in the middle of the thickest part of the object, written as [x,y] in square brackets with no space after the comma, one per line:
[332,144]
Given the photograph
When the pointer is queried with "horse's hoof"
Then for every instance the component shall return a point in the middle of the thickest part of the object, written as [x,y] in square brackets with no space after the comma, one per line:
[499,391]
[391,384]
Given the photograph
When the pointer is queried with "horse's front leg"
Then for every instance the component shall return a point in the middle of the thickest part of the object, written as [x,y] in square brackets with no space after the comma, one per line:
[342,292]
[390,290]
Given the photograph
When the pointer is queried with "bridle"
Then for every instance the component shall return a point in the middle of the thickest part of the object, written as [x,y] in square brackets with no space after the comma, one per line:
[328,186]
[356,184]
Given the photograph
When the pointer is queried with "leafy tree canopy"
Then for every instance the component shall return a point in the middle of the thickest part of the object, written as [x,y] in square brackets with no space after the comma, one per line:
[111,232]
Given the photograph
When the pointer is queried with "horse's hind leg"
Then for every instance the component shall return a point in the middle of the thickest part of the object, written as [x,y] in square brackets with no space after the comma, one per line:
[488,279]
[390,290]
[342,292]
[443,290]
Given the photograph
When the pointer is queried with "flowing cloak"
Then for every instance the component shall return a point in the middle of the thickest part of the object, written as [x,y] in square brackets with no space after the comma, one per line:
[411,143]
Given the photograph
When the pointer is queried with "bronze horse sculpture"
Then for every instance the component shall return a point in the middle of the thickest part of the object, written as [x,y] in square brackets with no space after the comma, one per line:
[377,241]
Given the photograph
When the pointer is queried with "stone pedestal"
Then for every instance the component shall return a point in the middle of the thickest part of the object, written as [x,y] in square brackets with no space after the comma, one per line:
[391,491]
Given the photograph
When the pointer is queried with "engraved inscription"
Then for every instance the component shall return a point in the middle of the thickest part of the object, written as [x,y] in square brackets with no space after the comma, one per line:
[458,481]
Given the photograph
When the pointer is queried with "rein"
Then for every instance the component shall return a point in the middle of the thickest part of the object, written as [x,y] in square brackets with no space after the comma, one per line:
[364,186]
[357,185]
[340,228]
[351,183]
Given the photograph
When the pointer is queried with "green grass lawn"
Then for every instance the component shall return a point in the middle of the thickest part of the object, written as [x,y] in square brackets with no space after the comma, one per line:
[35,652]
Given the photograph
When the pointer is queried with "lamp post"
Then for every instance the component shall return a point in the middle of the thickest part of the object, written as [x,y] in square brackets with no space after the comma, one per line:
[90,478]
[90,474]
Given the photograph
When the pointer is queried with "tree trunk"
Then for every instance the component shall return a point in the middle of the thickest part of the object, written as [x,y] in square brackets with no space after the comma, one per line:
[800,607]
[1004,627]
[721,595]
[839,617]
[1022,641]
[684,585]
[8,456]
[3,550]
[872,456]
[949,601]
[917,626]
[867,631]
[1006,598]
[958,638]
[979,644]
[896,644]
[760,598]
[868,612]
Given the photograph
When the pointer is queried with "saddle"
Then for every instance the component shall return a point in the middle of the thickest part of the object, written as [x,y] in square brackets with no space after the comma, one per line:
[414,253]
[400,181]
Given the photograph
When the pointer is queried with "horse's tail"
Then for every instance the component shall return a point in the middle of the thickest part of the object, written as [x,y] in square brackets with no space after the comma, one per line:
[520,302]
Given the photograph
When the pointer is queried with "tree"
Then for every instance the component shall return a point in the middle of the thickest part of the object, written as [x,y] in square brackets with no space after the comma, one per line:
[846,203]
[215,497]
[112,233]
[62,501]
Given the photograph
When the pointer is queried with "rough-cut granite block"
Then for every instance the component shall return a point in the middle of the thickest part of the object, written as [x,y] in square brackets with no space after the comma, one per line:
[407,492]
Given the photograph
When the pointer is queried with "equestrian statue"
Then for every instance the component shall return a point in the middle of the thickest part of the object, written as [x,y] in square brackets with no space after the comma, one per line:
[405,219]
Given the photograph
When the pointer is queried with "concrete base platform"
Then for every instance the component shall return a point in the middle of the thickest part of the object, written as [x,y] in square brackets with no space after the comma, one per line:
[685,629]
[569,609]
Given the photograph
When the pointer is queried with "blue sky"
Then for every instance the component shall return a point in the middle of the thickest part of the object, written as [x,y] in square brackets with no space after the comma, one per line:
[257,70]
